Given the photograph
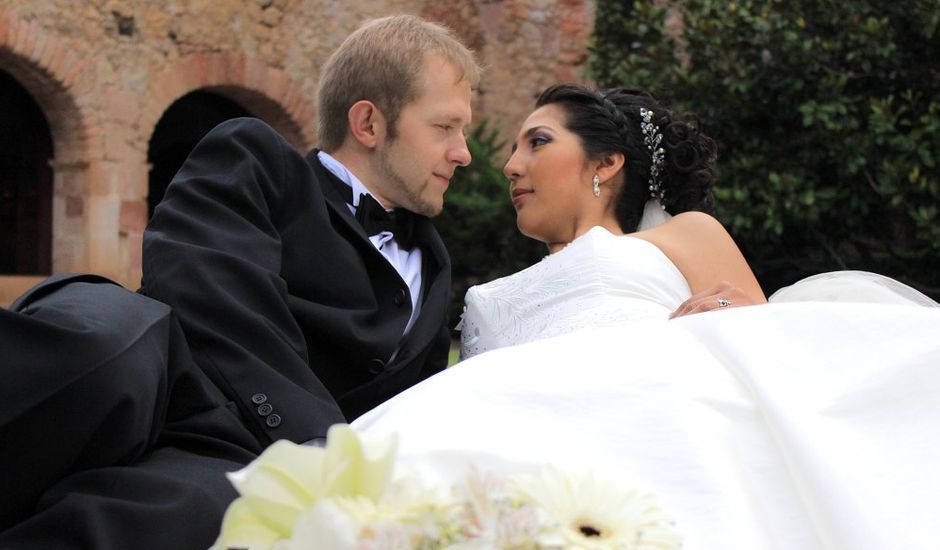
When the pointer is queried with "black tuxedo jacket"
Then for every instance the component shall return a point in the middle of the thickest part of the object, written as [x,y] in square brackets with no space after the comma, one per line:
[110,436]
[285,303]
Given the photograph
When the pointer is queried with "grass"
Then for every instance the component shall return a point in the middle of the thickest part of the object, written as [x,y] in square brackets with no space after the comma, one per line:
[454,354]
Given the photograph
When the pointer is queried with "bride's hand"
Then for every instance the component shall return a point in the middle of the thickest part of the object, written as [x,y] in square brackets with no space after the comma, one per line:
[723,295]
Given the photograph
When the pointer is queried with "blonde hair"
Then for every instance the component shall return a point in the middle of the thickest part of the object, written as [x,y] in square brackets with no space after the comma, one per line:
[381,62]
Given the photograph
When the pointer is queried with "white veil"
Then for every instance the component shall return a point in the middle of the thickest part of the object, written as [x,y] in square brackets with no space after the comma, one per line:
[653,215]
[852,286]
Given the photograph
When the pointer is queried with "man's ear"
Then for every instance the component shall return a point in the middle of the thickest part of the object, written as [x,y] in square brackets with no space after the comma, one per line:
[609,165]
[366,123]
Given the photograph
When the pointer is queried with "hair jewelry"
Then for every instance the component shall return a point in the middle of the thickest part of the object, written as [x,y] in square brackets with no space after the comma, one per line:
[652,137]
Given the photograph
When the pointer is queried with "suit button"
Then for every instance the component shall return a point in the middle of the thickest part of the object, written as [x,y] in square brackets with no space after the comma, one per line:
[273,421]
[400,297]
[376,366]
[259,398]
[265,409]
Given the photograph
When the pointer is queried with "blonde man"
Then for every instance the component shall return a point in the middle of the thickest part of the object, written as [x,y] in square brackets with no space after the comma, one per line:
[309,289]
[313,288]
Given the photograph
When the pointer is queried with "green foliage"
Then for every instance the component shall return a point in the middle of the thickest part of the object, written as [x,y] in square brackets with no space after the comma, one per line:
[478,224]
[827,116]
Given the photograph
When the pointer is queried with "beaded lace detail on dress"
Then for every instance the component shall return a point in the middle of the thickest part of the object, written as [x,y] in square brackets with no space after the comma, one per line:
[599,279]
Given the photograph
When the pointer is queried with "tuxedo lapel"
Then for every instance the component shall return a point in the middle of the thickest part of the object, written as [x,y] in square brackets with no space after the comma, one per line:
[435,279]
[427,237]
[332,188]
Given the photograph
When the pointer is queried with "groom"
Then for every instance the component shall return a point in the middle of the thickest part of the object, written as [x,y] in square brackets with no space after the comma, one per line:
[301,296]
[308,289]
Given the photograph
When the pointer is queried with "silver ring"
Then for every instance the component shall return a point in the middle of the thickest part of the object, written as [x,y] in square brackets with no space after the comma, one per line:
[722,303]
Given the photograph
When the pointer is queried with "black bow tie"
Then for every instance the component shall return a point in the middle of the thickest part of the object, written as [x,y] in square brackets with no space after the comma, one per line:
[374,218]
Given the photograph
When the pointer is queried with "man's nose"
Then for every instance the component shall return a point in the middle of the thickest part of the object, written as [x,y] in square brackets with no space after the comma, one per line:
[461,153]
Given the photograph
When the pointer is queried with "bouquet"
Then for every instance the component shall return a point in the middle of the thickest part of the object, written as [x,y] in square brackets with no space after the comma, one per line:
[347,496]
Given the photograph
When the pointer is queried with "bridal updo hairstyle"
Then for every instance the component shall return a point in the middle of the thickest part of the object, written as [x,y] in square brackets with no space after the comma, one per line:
[609,122]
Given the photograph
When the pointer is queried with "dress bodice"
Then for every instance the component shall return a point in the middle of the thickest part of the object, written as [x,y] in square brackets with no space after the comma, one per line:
[600,279]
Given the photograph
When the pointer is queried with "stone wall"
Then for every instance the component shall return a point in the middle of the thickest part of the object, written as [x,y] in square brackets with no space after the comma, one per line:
[105,71]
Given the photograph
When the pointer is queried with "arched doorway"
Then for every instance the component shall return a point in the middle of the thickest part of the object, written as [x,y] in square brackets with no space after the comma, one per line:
[178,131]
[25,182]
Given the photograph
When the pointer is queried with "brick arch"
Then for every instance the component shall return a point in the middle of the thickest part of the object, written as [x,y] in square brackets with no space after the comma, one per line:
[56,79]
[264,90]
[52,73]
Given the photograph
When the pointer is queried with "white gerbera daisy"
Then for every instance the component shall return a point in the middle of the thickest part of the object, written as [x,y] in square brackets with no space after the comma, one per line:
[589,513]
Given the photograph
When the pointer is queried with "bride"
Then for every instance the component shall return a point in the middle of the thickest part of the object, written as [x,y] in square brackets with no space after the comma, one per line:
[806,423]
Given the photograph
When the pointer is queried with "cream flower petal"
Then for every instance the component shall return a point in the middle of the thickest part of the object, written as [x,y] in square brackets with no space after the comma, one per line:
[242,528]
[346,523]
[284,480]
[288,478]
[324,526]
[364,466]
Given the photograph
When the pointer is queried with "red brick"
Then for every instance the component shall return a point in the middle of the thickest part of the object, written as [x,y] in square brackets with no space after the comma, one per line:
[235,67]
[255,73]
[72,66]
[132,254]
[74,207]
[133,217]
[5,23]
[17,28]
[49,47]
[32,34]
[56,65]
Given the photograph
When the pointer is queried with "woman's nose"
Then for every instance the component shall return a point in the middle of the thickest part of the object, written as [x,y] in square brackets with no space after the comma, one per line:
[512,168]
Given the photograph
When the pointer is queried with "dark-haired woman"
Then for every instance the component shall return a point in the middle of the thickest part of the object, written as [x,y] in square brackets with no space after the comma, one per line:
[803,425]
[589,162]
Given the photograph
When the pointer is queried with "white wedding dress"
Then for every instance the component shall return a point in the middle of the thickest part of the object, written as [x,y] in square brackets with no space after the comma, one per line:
[798,425]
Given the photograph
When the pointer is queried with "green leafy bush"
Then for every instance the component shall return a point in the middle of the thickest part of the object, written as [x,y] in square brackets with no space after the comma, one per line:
[478,224]
[827,116]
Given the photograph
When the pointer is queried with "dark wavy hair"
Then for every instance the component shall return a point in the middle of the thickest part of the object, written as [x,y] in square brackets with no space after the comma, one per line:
[609,122]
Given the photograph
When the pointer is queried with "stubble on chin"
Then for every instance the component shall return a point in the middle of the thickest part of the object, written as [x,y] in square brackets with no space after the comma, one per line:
[428,208]
[413,197]
[416,199]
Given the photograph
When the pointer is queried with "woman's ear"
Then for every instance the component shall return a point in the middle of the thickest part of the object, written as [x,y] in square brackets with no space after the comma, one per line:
[609,165]
[366,123]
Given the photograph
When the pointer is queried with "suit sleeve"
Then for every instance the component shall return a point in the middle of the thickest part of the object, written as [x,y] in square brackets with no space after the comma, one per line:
[213,252]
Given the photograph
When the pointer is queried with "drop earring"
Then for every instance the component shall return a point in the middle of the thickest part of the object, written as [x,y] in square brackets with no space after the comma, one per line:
[597,185]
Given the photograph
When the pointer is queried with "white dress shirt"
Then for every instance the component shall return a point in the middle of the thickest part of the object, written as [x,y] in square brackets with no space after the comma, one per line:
[406,262]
